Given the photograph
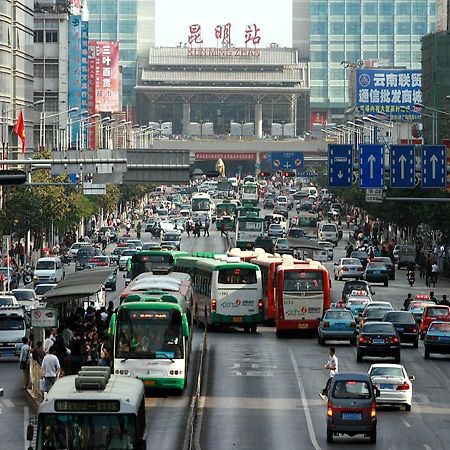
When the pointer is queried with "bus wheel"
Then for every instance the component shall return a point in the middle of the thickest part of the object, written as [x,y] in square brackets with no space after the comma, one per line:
[253,329]
[246,329]
[280,334]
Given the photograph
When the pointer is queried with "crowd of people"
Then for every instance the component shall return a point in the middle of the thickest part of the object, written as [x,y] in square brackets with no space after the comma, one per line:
[80,341]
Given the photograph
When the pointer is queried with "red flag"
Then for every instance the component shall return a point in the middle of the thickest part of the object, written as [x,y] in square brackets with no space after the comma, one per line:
[19,129]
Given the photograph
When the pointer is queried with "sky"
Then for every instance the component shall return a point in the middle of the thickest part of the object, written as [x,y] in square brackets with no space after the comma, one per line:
[173,18]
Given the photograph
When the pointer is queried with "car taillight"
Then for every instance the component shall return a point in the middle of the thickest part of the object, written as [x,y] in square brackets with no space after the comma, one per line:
[260,305]
[413,330]
[364,340]
[326,324]
[373,410]
[344,269]
[330,409]
[213,305]
[393,339]
[360,269]
[403,387]
[431,338]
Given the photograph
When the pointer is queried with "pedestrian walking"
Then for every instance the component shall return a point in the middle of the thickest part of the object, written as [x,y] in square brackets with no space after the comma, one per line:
[24,362]
[333,365]
[434,273]
[428,273]
[222,229]
[407,301]
[444,301]
[206,229]
[50,368]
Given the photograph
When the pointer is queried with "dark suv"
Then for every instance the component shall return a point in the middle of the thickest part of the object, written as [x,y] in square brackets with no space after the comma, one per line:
[351,406]
[266,243]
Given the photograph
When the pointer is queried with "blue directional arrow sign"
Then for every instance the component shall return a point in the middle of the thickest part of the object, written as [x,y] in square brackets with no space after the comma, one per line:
[403,166]
[340,165]
[286,160]
[371,166]
[434,166]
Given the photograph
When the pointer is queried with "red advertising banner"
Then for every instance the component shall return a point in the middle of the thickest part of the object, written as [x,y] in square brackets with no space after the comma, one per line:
[91,86]
[226,156]
[107,76]
[319,117]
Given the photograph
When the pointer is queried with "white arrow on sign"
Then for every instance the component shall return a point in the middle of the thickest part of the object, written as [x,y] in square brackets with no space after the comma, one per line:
[402,161]
[433,160]
[371,160]
[340,174]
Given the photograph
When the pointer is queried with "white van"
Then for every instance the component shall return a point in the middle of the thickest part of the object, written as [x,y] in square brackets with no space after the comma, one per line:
[48,270]
[328,231]
[311,191]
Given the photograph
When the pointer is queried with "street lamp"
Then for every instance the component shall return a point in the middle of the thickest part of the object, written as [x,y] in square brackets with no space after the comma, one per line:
[45,116]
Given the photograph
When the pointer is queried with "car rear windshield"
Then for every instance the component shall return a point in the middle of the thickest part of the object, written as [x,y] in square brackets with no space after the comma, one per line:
[329,228]
[362,301]
[237,276]
[387,261]
[351,262]
[400,317]
[377,313]
[386,372]
[376,265]
[432,312]
[441,327]
[378,328]
[338,315]
[359,255]
[351,389]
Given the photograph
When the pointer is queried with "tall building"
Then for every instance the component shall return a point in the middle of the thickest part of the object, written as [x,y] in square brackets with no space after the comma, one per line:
[335,34]
[16,69]
[132,23]
[50,72]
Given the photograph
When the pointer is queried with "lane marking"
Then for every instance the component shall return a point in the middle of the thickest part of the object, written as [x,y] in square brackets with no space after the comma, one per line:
[8,403]
[405,422]
[312,434]
[427,447]
[26,421]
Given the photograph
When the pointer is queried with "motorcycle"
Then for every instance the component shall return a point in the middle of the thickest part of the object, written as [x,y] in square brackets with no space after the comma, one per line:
[411,277]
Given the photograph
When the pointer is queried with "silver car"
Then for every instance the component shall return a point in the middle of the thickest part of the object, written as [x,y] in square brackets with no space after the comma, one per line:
[348,268]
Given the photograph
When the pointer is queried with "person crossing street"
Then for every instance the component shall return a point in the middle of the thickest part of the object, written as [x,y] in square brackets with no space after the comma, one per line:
[333,365]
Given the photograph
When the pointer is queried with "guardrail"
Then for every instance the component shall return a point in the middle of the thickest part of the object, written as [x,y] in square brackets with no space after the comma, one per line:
[190,443]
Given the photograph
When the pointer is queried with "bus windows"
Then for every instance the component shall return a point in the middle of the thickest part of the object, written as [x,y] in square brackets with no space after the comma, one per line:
[237,276]
[302,281]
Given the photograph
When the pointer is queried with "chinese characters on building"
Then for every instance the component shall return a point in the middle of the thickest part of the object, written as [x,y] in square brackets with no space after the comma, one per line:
[223,34]
[393,92]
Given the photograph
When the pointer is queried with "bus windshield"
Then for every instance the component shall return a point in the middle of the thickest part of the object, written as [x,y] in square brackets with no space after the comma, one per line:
[237,276]
[93,431]
[302,281]
[200,204]
[149,334]
[11,323]
[146,263]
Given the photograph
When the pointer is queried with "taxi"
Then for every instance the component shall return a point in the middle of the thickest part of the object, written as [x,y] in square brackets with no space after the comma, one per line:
[437,339]
[417,307]
[337,324]
[357,303]
[432,313]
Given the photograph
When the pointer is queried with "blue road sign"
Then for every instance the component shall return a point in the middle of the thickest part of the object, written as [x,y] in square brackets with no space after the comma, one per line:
[434,166]
[286,160]
[371,166]
[403,166]
[340,165]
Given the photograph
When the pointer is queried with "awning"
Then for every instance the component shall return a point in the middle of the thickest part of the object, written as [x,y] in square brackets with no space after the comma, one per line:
[295,243]
[77,285]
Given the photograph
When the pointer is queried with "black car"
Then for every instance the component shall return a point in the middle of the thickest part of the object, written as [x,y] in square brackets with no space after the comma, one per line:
[356,285]
[296,232]
[282,210]
[406,326]
[268,203]
[362,256]
[266,243]
[111,281]
[388,263]
[378,339]
[83,255]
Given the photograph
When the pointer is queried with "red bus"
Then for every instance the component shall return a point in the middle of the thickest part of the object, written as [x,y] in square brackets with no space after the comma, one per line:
[303,294]
[268,265]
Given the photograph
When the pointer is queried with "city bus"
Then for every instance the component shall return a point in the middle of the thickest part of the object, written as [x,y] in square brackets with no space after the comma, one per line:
[268,264]
[152,340]
[226,209]
[249,193]
[226,292]
[201,205]
[308,222]
[245,210]
[248,228]
[153,260]
[92,410]
[303,294]
[246,255]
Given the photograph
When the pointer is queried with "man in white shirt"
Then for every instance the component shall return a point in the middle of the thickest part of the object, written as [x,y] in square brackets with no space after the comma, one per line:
[50,340]
[333,365]
[50,368]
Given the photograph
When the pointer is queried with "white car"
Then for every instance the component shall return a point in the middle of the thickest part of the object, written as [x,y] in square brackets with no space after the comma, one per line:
[73,250]
[42,289]
[329,247]
[348,268]
[26,298]
[379,305]
[8,300]
[393,383]
[124,257]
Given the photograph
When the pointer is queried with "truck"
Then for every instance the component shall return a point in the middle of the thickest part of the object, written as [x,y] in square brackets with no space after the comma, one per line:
[14,326]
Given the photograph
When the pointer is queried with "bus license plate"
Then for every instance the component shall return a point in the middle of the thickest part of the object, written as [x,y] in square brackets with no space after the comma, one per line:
[149,383]
[303,325]
[237,319]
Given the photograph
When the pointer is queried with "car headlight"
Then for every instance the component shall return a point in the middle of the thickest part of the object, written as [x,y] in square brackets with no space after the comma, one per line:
[35,277]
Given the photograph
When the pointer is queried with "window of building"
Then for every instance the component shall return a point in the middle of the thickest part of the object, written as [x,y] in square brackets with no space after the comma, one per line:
[320,28]
[370,9]
[317,56]
[403,8]
[39,36]
[353,28]
[386,8]
[337,92]
[387,55]
[419,28]
[370,54]
[353,8]
[337,8]
[51,36]
[129,7]
[338,74]
[319,92]
[52,70]
[370,28]
[109,27]
[402,57]
[404,28]
[109,6]
[38,24]
[337,28]
[51,101]
[386,28]
[419,8]
[319,74]
[353,55]
[337,56]
[127,26]
[39,70]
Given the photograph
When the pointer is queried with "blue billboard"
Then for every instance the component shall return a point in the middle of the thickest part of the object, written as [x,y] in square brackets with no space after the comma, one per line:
[389,91]
[74,72]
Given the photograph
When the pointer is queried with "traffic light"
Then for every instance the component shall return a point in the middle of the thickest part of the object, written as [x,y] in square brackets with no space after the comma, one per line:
[264,174]
[12,177]
[289,174]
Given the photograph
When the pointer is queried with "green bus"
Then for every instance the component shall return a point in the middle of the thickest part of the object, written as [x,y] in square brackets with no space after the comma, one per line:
[152,339]
[248,228]
[153,260]
[226,292]
[92,410]
[226,210]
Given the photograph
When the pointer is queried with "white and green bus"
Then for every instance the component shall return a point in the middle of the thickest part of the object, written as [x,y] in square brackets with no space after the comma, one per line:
[248,228]
[226,291]
[92,410]
[249,193]
[152,339]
